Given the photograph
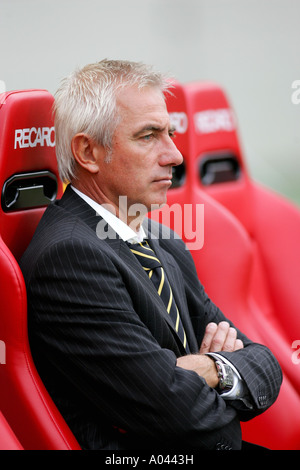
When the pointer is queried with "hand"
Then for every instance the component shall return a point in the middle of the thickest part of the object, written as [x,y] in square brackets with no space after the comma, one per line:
[221,337]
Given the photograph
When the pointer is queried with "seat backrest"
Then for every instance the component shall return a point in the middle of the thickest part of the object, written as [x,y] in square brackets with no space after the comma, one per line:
[228,266]
[29,182]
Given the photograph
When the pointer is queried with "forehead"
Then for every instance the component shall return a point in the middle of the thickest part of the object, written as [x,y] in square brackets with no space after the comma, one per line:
[140,107]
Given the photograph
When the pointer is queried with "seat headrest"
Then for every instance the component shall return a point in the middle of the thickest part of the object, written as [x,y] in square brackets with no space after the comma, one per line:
[27,137]
[214,122]
[214,133]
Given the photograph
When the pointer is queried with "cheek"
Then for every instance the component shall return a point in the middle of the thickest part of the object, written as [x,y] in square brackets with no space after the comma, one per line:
[133,165]
[135,169]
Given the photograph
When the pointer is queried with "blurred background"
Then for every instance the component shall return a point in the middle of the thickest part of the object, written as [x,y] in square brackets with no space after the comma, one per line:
[250,47]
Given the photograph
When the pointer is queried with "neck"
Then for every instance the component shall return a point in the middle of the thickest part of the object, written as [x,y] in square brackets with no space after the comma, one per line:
[131,214]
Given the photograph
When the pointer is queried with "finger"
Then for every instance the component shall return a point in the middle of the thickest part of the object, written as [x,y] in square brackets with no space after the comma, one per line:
[209,334]
[230,340]
[219,339]
[238,345]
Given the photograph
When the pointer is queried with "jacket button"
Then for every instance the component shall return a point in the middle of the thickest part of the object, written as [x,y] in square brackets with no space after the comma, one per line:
[220,446]
[262,400]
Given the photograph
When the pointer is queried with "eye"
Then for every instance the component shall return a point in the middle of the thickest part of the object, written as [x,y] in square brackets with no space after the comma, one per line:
[147,137]
[172,133]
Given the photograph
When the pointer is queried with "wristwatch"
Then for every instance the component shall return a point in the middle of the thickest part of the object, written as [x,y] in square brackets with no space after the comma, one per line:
[225,375]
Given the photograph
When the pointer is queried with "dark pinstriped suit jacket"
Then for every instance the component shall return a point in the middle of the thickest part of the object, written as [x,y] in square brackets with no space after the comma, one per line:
[106,349]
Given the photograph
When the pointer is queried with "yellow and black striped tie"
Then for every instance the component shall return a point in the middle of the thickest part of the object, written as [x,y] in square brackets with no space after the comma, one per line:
[156,273]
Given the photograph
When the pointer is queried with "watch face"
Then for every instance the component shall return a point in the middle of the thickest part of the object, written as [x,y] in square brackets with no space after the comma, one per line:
[225,375]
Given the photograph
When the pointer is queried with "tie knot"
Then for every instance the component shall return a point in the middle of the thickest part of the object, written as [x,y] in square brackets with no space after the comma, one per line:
[145,255]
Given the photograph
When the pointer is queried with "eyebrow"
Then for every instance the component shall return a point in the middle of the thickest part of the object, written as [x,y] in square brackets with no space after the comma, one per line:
[152,128]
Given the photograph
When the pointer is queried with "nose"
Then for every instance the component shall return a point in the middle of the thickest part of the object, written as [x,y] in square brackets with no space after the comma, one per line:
[170,154]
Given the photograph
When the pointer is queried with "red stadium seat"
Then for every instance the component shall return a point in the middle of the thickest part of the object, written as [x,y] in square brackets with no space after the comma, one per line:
[230,267]
[8,440]
[28,181]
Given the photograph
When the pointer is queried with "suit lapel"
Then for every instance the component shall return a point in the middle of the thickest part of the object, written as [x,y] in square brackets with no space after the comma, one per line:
[175,280]
[136,269]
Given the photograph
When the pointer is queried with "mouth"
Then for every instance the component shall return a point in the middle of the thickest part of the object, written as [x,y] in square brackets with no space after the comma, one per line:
[165,180]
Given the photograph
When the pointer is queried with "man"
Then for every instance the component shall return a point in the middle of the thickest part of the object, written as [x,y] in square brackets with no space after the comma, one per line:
[122,372]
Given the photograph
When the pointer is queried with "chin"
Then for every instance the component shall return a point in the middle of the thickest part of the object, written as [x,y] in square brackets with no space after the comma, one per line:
[158,204]
[155,202]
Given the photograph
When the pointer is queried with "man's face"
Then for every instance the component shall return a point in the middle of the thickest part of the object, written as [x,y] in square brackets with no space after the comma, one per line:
[143,152]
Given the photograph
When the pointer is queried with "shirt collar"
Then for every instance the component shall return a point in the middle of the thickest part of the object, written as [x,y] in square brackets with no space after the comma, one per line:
[123,230]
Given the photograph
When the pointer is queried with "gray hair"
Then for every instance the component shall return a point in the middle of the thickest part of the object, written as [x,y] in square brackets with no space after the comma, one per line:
[86,102]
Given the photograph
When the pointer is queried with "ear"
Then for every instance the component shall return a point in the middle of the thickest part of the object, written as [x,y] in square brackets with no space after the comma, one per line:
[86,152]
